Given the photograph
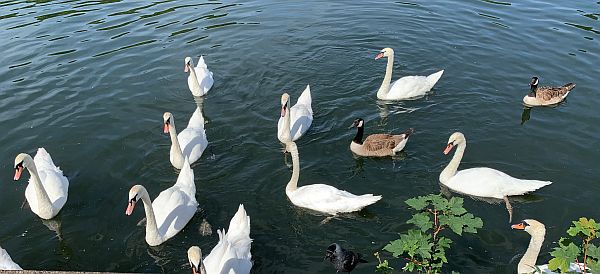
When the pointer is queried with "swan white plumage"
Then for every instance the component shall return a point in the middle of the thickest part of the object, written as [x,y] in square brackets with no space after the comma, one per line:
[232,254]
[48,188]
[171,210]
[200,79]
[537,230]
[321,197]
[296,120]
[405,87]
[190,142]
[482,181]
[6,262]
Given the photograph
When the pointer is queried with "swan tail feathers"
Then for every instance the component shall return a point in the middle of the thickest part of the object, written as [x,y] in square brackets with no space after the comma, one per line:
[368,199]
[305,98]
[526,186]
[433,78]
[43,160]
[239,227]
[201,63]
[197,119]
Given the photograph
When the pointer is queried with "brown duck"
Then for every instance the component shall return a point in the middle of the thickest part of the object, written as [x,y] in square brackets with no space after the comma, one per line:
[377,145]
[543,96]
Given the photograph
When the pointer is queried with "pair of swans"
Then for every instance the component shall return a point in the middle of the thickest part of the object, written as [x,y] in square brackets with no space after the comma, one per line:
[171,210]
[48,188]
[537,230]
[321,197]
[232,254]
[190,142]
[295,120]
[200,79]
[405,87]
[482,181]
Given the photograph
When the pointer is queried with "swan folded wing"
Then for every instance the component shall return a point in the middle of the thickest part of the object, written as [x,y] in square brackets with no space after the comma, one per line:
[409,86]
[301,118]
[213,260]
[56,186]
[43,161]
[193,142]
[375,142]
[173,209]
[488,182]
[306,100]
[239,229]
[205,78]
[326,198]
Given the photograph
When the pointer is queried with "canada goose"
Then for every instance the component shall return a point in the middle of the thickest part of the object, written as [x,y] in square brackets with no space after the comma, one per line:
[377,145]
[405,87]
[482,181]
[543,96]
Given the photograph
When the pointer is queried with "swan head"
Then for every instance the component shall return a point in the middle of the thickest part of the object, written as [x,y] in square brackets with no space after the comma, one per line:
[195,258]
[386,52]
[455,139]
[285,103]
[531,226]
[135,193]
[358,123]
[533,85]
[188,64]
[22,161]
[168,121]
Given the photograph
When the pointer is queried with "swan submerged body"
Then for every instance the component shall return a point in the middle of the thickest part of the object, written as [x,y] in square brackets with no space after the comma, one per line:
[232,254]
[48,188]
[482,181]
[321,197]
[406,87]
[170,211]
[296,120]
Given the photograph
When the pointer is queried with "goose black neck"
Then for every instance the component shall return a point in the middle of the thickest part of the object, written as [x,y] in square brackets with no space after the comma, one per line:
[533,89]
[359,135]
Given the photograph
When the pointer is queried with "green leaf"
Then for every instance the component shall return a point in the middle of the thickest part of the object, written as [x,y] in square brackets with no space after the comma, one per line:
[413,243]
[455,206]
[439,202]
[563,255]
[422,221]
[418,203]
[593,251]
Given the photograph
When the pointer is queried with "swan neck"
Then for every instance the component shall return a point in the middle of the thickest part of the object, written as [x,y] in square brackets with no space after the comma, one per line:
[287,121]
[527,263]
[385,85]
[450,170]
[293,184]
[151,226]
[44,202]
[176,154]
[359,135]
[195,82]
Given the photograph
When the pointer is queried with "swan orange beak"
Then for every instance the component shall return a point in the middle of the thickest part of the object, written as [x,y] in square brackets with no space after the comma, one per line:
[18,172]
[379,55]
[186,68]
[520,226]
[166,128]
[130,207]
[194,270]
[448,148]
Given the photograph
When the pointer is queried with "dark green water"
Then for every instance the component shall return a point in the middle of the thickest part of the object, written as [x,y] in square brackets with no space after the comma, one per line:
[90,80]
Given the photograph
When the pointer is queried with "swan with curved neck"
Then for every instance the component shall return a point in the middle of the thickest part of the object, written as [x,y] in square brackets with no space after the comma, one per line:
[405,87]
[482,181]
[200,79]
[537,230]
[232,252]
[190,142]
[295,120]
[321,197]
[170,211]
[47,190]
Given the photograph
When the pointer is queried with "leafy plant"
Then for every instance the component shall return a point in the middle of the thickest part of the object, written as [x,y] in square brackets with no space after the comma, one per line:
[424,248]
[568,252]
[383,267]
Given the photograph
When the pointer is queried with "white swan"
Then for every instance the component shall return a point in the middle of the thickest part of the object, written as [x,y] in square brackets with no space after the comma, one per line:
[296,120]
[190,142]
[171,210]
[232,254]
[321,197]
[405,87]
[6,263]
[200,79]
[537,231]
[48,188]
[482,181]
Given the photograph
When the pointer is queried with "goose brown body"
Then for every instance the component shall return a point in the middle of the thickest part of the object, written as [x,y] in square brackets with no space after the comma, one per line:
[543,96]
[377,145]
